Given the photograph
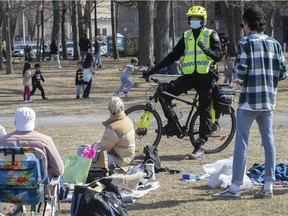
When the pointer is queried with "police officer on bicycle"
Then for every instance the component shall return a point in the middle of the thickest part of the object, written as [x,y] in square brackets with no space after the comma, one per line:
[201,48]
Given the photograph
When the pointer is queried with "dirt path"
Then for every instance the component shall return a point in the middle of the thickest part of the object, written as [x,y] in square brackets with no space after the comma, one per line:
[280,119]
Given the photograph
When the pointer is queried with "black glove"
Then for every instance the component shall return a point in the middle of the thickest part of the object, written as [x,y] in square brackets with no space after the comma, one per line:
[201,45]
[283,76]
[147,73]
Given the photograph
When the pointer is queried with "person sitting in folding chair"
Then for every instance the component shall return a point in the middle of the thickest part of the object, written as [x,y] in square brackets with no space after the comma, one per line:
[25,136]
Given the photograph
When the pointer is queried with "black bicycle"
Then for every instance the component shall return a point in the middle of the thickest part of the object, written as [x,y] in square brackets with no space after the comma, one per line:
[148,123]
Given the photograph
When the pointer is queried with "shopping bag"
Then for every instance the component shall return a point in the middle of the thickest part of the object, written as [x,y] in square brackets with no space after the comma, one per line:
[76,169]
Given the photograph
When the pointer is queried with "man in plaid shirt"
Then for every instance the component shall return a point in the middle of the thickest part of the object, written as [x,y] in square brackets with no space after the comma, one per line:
[260,64]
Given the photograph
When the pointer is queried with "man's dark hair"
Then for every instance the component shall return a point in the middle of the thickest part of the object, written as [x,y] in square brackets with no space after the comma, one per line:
[258,26]
[37,65]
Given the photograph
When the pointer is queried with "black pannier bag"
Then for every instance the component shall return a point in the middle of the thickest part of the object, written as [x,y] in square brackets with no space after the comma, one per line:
[223,99]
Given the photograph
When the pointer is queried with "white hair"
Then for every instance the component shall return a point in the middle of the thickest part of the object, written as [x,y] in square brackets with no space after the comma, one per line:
[115,105]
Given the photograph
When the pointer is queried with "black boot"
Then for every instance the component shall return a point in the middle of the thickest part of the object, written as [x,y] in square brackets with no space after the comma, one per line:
[170,129]
[198,150]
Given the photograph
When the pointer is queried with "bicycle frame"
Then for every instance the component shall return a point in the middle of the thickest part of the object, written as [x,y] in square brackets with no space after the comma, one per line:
[147,115]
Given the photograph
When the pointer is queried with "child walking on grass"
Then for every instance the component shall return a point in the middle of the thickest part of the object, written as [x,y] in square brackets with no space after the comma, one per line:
[28,72]
[125,80]
[36,82]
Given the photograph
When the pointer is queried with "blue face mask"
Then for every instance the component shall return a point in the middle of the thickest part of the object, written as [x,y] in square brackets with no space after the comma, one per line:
[195,24]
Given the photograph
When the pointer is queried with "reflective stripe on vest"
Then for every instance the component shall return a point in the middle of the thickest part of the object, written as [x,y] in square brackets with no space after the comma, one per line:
[194,57]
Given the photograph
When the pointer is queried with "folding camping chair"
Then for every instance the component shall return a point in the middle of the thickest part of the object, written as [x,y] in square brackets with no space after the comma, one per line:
[24,180]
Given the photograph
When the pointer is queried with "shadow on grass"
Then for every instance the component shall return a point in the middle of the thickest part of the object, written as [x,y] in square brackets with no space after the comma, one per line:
[172,157]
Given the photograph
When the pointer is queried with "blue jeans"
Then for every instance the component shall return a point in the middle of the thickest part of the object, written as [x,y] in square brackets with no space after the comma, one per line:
[98,58]
[124,80]
[244,121]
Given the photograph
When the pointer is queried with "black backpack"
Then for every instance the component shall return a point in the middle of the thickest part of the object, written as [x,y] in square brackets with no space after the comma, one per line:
[152,156]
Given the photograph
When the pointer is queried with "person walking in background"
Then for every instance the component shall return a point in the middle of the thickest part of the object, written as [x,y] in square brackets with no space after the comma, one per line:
[36,81]
[260,65]
[228,69]
[87,74]
[84,45]
[125,80]
[54,54]
[98,62]
[28,72]
[79,80]
[27,52]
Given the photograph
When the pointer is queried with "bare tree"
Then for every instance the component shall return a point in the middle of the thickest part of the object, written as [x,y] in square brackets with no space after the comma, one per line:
[1,48]
[74,29]
[114,31]
[63,30]
[56,20]
[81,26]
[146,38]
[6,12]
[232,22]
[162,30]
[87,17]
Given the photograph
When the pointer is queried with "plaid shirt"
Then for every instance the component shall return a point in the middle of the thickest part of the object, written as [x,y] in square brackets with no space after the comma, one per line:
[259,64]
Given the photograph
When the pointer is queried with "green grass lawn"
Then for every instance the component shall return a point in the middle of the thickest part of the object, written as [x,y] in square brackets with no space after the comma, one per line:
[174,197]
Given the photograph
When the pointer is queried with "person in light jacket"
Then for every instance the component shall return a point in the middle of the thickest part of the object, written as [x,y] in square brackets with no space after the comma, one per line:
[119,136]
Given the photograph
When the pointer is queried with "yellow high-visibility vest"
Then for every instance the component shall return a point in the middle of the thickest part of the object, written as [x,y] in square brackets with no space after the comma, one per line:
[194,57]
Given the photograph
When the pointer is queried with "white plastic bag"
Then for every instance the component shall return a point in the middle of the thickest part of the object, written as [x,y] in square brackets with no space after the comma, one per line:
[226,180]
[220,174]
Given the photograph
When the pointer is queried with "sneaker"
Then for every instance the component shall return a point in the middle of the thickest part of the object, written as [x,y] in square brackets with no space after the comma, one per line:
[59,67]
[45,98]
[170,129]
[125,94]
[227,194]
[28,101]
[262,194]
[77,97]
[198,150]
[99,66]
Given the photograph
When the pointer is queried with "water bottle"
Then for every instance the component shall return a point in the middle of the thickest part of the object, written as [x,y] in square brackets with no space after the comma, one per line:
[195,177]
[112,168]
[175,111]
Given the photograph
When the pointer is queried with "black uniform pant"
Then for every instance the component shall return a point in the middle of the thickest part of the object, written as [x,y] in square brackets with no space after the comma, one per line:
[203,84]
[39,86]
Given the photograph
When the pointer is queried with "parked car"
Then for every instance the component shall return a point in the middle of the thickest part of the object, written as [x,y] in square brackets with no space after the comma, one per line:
[19,51]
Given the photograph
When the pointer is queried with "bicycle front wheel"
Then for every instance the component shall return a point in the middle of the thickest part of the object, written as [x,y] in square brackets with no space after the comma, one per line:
[147,124]
[223,130]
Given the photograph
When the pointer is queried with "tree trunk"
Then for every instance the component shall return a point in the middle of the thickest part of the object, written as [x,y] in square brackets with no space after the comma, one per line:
[80,18]
[228,15]
[270,22]
[114,32]
[38,34]
[74,30]
[63,31]
[1,30]
[146,39]
[238,11]
[162,30]
[9,66]
[87,15]
[56,20]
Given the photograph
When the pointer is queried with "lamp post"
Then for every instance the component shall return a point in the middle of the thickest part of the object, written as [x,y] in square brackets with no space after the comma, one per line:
[42,30]
[95,22]
[24,34]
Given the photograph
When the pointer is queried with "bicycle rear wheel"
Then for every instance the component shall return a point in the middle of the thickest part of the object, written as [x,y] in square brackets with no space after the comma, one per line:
[147,131]
[223,131]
